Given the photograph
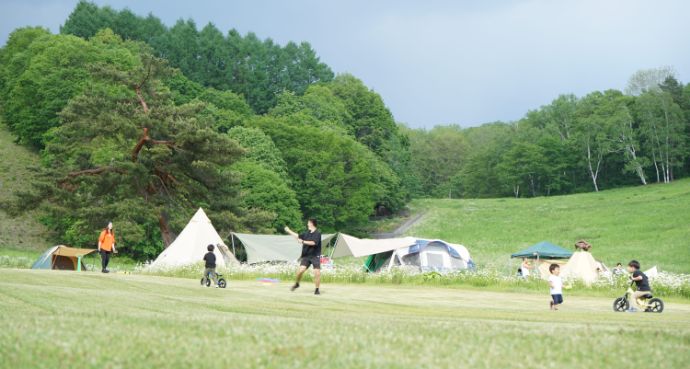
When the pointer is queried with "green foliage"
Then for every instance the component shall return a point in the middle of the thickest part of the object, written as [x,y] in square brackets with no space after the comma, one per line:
[266,190]
[257,69]
[337,180]
[260,149]
[40,78]
[94,171]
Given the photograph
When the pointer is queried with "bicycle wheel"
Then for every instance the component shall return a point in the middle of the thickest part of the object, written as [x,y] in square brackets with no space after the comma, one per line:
[620,304]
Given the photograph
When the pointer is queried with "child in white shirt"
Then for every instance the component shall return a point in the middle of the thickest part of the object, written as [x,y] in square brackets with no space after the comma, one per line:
[555,286]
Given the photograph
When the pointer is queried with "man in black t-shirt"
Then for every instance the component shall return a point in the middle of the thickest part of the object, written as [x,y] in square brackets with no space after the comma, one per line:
[640,280]
[311,253]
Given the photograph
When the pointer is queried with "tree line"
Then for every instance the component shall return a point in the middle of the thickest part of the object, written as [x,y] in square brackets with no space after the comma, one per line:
[603,140]
[141,124]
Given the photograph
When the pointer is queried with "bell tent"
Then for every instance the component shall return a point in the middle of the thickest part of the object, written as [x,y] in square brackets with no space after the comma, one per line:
[582,266]
[62,258]
[190,246]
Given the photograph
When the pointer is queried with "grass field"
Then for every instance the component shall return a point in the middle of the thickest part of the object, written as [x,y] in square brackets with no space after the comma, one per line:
[650,224]
[88,320]
[23,232]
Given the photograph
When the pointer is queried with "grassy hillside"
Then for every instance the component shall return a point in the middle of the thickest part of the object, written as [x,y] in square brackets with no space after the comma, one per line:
[154,322]
[22,233]
[650,224]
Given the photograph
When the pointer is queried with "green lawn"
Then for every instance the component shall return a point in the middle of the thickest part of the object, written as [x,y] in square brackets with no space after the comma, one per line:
[650,224]
[24,232]
[71,320]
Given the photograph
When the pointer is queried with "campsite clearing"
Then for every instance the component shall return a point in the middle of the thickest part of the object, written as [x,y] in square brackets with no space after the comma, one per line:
[648,223]
[53,319]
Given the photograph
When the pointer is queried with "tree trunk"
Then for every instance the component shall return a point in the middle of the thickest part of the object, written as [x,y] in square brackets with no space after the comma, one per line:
[638,167]
[166,233]
[594,174]
[516,190]
[656,167]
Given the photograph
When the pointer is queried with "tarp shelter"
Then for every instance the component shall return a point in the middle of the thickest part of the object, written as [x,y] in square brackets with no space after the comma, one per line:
[190,246]
[582,266]
[543,250]
[63,258]
[347,245]
[265,247]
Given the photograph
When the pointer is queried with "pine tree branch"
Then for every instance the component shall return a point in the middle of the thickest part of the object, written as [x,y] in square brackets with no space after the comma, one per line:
[146,139]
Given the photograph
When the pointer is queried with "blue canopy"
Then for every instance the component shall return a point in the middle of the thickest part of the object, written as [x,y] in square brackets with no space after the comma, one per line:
[543,250]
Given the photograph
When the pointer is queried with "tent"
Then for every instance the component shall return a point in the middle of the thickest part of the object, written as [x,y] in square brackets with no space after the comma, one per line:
[347,245]
[190,246]
[63,258]
[425,255]
[584,267]
[262,248]
[543,250]
[544,264]
[429,255]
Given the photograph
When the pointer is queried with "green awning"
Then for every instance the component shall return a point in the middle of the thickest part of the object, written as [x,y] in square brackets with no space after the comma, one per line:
[543,250]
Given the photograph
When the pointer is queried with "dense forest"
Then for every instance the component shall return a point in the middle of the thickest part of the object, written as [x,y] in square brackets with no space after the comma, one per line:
[141,123]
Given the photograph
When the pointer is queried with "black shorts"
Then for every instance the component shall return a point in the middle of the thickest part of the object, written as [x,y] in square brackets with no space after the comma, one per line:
[557,299]
[315,261]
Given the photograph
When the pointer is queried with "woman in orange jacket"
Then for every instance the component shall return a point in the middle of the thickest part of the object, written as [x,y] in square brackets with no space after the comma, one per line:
[106,246]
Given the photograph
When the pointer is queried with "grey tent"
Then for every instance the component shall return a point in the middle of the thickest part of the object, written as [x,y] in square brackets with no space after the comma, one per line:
[267,247]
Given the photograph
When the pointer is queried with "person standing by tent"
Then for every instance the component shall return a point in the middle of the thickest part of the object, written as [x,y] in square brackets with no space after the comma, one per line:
[524,268]
[311,253]
[106,246]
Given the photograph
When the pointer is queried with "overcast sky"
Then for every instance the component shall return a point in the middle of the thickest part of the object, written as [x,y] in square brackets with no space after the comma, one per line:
[441,62]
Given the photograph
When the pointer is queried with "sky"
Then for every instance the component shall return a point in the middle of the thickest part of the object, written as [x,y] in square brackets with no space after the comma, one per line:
[442,62]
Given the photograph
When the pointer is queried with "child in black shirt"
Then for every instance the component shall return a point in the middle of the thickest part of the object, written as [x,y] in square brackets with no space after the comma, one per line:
[210,265]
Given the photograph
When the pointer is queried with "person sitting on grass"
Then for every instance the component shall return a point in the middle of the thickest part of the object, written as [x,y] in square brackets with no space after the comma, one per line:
[641,282]
[618,270]
[210,265]
[555,286]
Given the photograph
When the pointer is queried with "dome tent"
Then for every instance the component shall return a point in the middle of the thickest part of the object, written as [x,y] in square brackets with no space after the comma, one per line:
[431,255]
[426,255]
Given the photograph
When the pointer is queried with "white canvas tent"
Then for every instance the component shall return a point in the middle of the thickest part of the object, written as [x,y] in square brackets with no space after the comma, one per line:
[583,266]
[262,248]
[190,246]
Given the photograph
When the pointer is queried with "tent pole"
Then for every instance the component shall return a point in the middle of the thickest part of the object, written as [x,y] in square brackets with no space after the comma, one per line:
[232,240]
[335,243]
[78,263]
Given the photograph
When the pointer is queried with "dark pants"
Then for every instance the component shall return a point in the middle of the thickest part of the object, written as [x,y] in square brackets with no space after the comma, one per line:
[105,259]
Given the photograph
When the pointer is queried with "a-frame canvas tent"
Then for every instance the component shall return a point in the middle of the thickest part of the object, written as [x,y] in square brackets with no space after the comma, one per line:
[63,258]
[267,247]
[190,246]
